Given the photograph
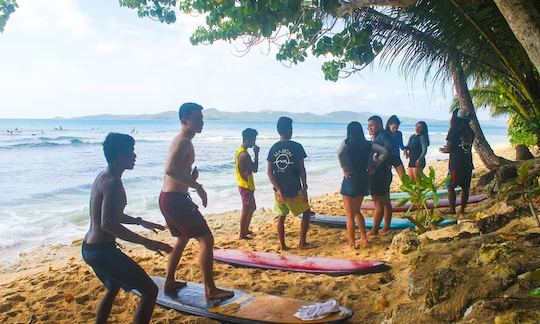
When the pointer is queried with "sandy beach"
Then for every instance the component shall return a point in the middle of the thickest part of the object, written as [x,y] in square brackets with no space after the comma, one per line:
[53,284]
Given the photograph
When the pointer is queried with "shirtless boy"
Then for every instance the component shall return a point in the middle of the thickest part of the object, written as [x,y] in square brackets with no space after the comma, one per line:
[107,202]
[181,214]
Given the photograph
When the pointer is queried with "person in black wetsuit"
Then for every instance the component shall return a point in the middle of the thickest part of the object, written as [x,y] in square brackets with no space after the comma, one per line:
[460,164]
[355,157]
[416,151]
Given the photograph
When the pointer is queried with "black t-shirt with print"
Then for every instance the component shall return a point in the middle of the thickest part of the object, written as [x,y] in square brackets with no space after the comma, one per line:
[285,157]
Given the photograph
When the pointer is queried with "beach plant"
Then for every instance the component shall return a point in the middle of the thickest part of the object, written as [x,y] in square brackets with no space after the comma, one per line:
[527,185]
[420,213]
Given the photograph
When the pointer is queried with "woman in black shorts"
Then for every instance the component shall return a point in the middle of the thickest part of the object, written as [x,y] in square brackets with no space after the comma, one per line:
[396,137]
[380,179]
[354,156]
[416,151]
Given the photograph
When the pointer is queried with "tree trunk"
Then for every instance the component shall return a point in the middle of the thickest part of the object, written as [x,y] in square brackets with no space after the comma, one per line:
[523,18]
[481,145]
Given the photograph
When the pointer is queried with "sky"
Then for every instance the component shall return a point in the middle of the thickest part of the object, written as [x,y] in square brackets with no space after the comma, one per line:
[69,58]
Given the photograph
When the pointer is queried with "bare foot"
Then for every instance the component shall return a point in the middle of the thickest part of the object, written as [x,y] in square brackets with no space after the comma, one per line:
[246,237]
[217,293]
[284,248]
[385,231]
[452,212]
[363,240]
[372,234]
[352,247]
[173,286]
[305,246]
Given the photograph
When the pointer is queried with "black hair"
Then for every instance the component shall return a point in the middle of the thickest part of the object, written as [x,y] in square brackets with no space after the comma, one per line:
[355,133]
[187,108]
[391,121]
[249,133]
[425,131]
[378,120]
[284,125]
[116,143]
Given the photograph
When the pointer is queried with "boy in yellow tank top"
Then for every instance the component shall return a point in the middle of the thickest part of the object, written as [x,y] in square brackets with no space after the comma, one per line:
[245,167]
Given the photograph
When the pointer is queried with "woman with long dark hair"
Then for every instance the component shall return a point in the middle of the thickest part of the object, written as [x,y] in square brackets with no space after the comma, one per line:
[416,151]
[460,164]
[355,157]
[396,137]
[380,179]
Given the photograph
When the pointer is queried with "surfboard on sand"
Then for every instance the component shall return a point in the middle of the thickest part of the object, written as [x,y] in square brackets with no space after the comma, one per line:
[242,308]
[401,195]
[297,263]
[442,203]
[340,221]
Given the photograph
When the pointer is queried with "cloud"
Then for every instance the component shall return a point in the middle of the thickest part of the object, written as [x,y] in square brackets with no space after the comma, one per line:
[38,16]
[108,47]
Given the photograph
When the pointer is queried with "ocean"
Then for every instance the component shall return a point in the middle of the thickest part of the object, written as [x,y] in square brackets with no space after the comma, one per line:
[47,168]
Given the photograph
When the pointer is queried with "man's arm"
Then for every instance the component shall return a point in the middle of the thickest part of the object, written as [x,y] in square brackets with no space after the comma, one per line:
[273,181]
[246,165]
[178,157]
[126,219]
[112,211]
[303,176]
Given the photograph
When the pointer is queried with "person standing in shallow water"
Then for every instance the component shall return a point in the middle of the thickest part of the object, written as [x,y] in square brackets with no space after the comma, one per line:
[245,167]
[355,157]
[181,214]
[396,137]
[416,151]
[460,164]
[287,174]
[99,249]
[380,180]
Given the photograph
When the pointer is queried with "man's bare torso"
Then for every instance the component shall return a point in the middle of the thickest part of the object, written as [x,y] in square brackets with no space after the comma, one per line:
[179,161]
[101,187]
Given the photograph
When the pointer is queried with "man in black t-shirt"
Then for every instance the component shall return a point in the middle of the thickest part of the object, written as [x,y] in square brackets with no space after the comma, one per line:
[288,176]
[460,164]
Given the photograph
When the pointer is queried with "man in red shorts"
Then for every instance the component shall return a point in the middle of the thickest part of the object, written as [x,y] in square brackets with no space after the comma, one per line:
[244,168]
[182,215]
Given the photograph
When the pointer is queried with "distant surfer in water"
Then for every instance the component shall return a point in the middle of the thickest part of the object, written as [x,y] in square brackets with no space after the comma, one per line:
[182,215]
[245,167]
[99,249]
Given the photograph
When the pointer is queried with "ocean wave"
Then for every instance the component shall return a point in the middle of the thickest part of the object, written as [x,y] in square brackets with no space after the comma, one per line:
[51,142]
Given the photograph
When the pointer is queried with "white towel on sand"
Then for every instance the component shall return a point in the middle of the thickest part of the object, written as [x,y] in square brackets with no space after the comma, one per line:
[317,310]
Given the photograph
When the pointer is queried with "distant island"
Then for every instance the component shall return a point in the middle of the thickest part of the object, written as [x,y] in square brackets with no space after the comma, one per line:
[273,115]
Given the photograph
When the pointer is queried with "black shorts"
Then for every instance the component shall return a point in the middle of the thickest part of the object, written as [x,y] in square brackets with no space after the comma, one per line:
[395,160]
[379,182]
[460,179]
[412,163]
[114,268]
[354,186]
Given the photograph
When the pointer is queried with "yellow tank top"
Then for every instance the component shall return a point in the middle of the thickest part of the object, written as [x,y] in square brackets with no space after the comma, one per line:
[249,184]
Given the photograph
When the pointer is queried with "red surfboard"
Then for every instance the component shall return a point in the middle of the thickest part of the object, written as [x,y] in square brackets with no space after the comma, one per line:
[442,203]
[297,263]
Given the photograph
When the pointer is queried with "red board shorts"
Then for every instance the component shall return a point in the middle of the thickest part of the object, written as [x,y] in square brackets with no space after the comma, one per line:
[182,215]
[247,195]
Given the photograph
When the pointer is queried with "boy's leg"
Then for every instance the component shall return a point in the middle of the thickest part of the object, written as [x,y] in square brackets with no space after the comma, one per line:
[147,303]
[174,258]
[105,306]
[377,214]
[280,225]
[206,262]
[304,226]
